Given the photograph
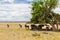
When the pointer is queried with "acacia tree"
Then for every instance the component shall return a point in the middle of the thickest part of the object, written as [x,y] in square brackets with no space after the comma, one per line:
[42,11]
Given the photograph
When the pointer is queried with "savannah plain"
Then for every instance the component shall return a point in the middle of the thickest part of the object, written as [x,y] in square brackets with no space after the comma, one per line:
[14,32]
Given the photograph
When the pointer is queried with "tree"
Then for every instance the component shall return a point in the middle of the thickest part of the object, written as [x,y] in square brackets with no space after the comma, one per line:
[42,11]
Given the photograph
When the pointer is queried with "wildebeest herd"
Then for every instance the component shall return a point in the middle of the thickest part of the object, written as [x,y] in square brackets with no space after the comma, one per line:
[39,27]
[34,27]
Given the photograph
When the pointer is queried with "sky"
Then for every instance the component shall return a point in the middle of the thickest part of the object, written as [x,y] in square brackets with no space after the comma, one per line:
[17,10]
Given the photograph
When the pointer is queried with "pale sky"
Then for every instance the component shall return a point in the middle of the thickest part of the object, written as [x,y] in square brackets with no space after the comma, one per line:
[17,10]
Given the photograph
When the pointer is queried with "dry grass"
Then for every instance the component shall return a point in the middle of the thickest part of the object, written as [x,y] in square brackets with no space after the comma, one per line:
[23,34]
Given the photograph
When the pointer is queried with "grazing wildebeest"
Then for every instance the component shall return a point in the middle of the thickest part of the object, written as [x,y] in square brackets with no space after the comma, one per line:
[33,27]
[26,26]
[20,25]
[7,25]
[40,27]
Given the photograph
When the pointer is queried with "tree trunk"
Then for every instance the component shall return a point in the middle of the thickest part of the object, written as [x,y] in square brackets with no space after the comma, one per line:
[53,27]
[57,26]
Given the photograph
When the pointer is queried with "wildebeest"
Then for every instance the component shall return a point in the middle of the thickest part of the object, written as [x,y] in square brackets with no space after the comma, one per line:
[26,26]
[20,25]
[51,28]
[7,25]
[47,27]
[40,27]
[33,27]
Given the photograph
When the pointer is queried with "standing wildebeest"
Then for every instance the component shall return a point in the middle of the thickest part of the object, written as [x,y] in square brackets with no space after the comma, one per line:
[20,25]
[40,27]
[8,25]
[33,27]
[26,26]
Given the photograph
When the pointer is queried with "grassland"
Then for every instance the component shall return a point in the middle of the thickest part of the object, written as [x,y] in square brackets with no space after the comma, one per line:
[23,34]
